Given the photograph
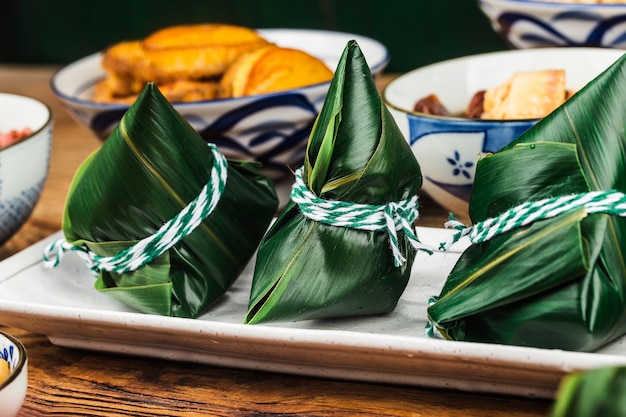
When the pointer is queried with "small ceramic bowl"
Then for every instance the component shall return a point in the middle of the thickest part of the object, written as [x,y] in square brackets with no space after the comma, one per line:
[13,389]
[23,164]
[271,128]
[544,23]
[448,148]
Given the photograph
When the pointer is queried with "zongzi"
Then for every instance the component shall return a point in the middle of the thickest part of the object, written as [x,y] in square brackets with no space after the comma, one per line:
[345,243]
[593,392]
[165,221]
[547,264]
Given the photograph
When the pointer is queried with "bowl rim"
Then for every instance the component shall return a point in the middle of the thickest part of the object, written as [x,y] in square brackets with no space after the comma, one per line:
[379,66]
[458,119]
[557,4]
[35,132]
[21,362]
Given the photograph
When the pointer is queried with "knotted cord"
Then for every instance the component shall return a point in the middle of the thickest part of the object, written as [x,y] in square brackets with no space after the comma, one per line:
[608,202]
[168,235]
[390,218]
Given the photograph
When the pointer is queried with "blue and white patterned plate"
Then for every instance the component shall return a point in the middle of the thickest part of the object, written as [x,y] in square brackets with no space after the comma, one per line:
[534,23]
[272,129]
[9,352]
[13,389]
[23,165]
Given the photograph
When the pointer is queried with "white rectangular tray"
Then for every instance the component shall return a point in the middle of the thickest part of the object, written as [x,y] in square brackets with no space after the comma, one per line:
[62,304]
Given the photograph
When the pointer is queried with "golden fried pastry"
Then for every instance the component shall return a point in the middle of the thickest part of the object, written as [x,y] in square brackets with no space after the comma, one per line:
[186,62]
[526,95]
[272,69]
[175,92]
[103,94]
[188,52]
[198,51]
[124,58]
[126,67]
[189,90]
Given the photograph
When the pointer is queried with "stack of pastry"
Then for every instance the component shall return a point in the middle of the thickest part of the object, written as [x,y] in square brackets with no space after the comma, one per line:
[204,62]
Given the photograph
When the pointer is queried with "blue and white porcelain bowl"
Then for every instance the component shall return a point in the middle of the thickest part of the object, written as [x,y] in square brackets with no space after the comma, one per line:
[13,389]
[24,164]
[448,148]
[544,23]
[272,128]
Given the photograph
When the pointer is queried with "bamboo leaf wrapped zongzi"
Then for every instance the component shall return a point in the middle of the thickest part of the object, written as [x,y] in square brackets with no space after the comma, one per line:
[547,265]
[595,392]
[324,256]
[165,221]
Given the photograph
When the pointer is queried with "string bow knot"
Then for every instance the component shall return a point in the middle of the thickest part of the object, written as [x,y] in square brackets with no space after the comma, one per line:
[390,218]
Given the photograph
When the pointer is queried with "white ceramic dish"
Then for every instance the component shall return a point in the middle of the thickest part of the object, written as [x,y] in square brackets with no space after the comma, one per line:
[271,128]
[23,164]
[13,390]
[62,304]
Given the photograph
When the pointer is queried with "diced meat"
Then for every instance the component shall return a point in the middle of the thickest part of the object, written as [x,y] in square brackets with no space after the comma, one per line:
[431,105]
[475,107]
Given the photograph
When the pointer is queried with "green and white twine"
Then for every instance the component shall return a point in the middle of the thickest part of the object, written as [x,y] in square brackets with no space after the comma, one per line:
[390,218]
[168,235]
[608,202]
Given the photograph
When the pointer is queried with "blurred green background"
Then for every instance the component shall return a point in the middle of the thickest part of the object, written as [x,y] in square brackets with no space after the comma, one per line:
[416,32]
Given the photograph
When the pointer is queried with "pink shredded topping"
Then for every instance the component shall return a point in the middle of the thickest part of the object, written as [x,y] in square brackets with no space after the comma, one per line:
[13,136]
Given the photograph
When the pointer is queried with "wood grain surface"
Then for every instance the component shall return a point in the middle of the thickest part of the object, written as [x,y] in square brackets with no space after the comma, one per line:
[70,382]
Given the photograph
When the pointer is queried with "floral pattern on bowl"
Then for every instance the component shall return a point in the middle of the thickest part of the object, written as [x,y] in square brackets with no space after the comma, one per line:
[13,389]
[9,353]
[448,151]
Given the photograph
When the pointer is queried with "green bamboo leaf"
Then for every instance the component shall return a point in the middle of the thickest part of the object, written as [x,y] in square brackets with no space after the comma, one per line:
[597,392]
[356,153]
[559,283]
[149,298]
[147,171]
[331,121]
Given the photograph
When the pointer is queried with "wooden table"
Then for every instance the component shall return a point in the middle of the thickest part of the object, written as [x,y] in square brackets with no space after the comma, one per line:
[74,382]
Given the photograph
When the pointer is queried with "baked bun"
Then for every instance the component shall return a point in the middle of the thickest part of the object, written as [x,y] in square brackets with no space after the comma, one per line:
[272,69]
